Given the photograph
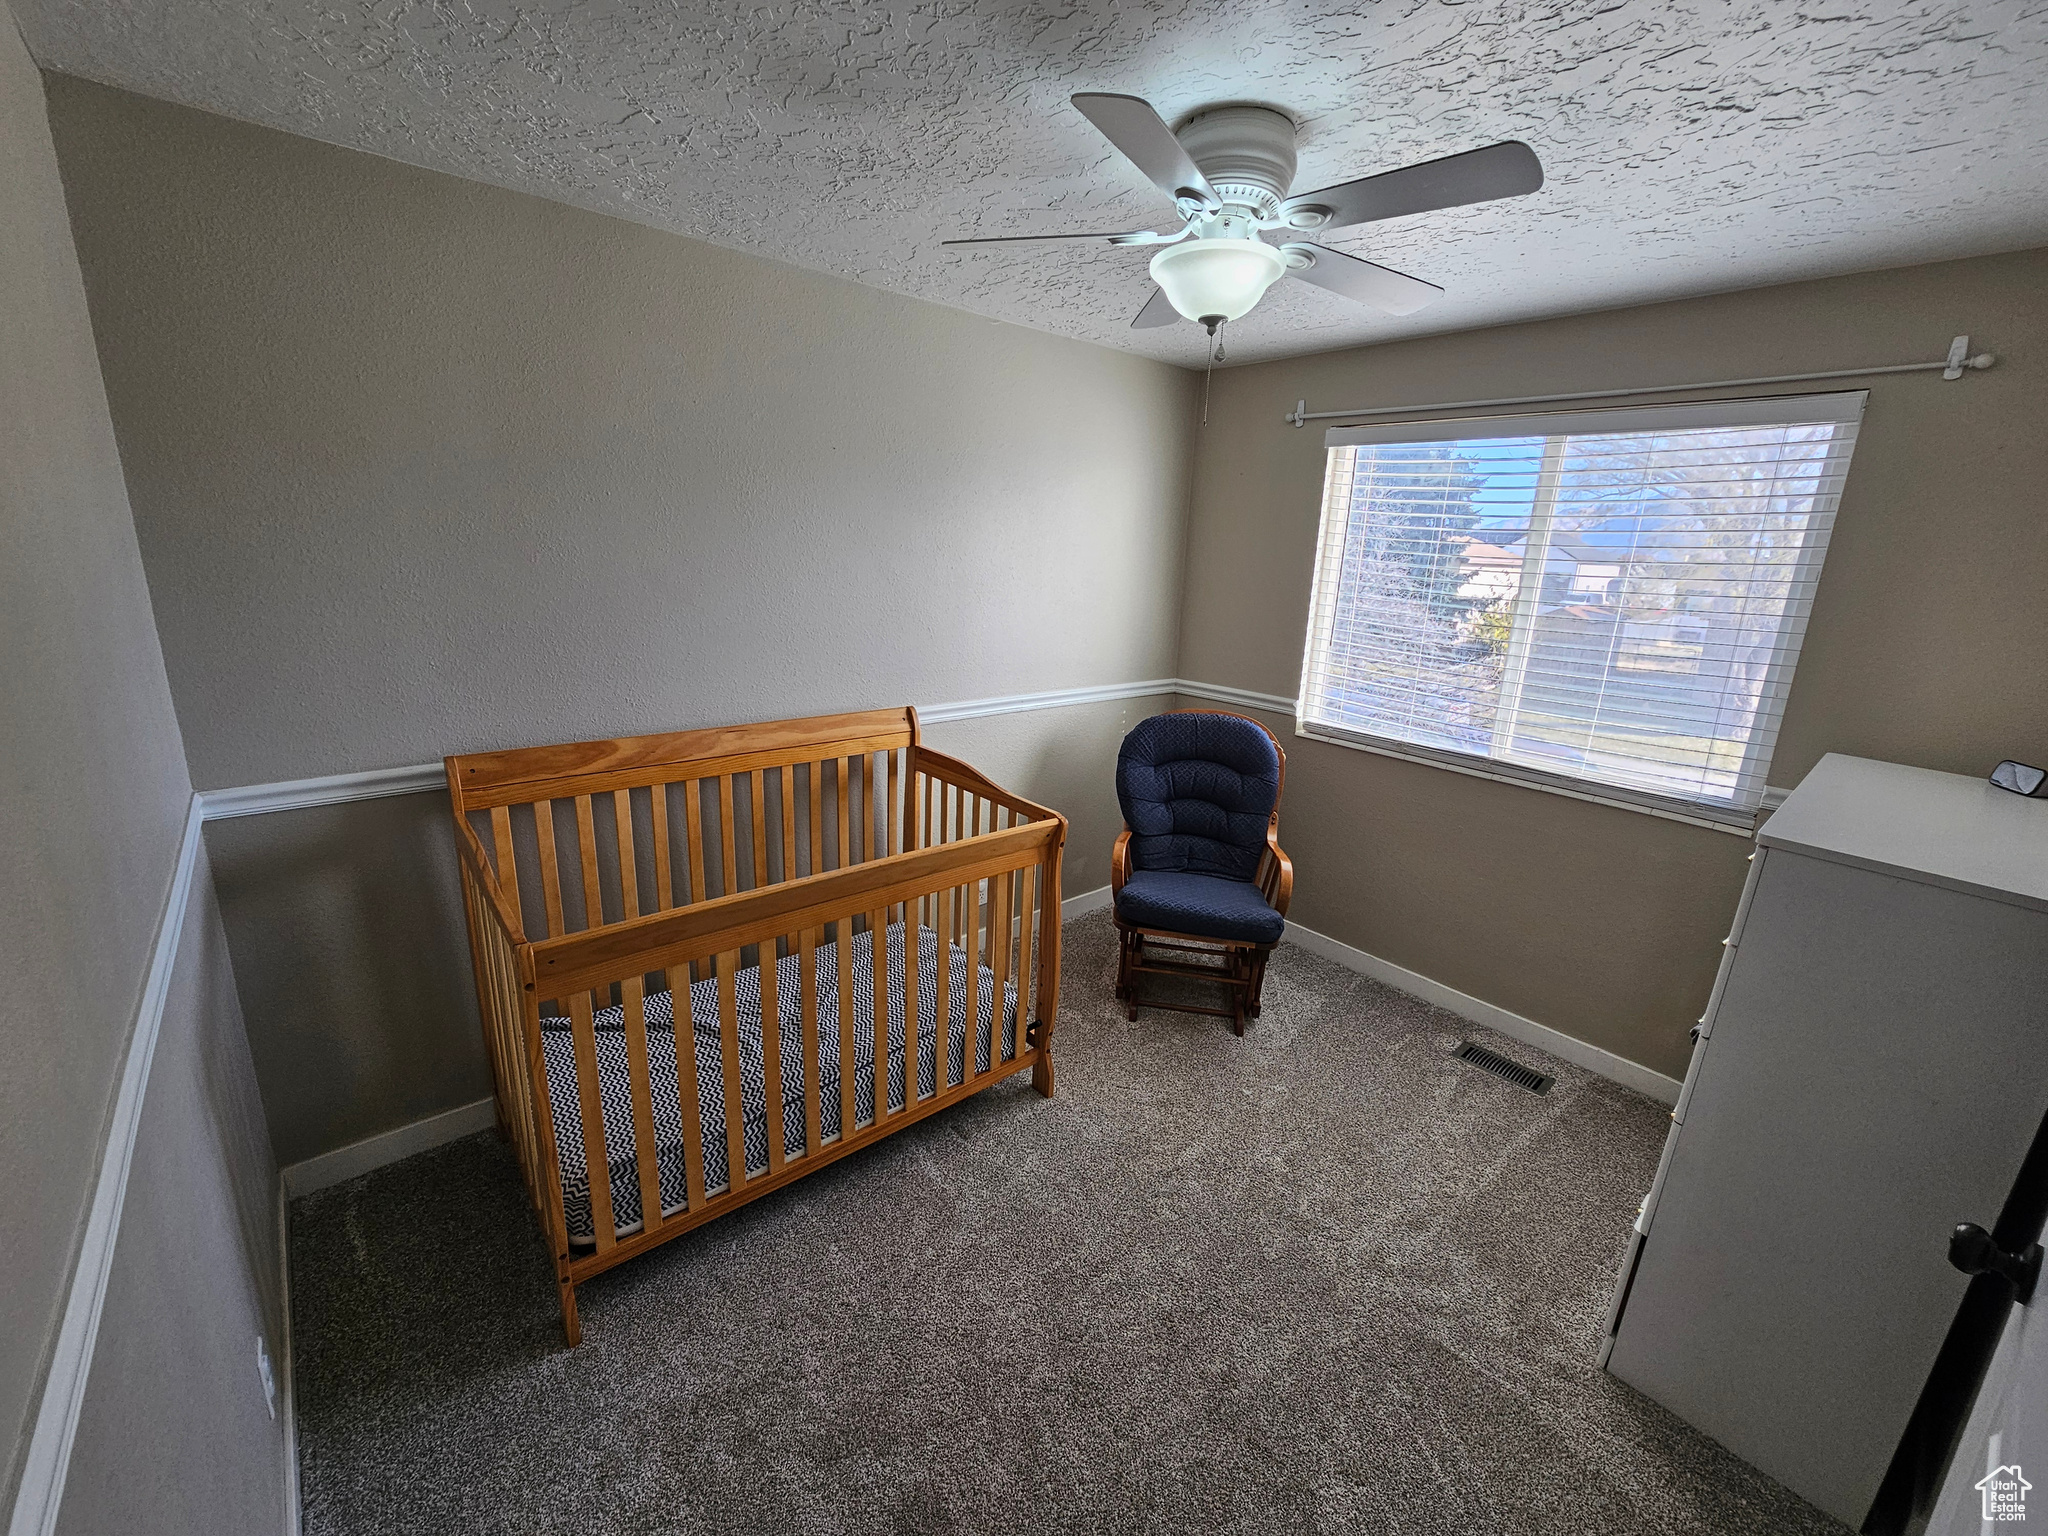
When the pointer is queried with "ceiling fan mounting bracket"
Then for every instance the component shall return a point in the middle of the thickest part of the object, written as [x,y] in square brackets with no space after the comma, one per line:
[1247,151]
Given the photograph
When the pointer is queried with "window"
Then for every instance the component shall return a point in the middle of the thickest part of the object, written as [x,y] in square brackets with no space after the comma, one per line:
[1608,602]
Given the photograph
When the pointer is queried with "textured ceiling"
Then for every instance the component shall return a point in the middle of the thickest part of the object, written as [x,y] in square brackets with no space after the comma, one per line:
[1691,146]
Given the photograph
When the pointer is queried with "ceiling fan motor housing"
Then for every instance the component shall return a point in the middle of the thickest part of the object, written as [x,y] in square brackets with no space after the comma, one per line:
[1246,152]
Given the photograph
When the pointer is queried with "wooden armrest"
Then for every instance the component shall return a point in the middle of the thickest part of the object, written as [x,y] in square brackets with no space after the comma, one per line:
[1120,862]
[1276,880]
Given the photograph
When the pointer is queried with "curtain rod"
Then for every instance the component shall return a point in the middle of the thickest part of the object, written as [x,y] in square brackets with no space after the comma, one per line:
[1959,357]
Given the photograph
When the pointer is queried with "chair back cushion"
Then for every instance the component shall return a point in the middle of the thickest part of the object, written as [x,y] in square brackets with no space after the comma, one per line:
[1197,790]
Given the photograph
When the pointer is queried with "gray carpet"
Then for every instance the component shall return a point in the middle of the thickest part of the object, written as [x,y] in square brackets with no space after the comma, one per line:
[1324,1278]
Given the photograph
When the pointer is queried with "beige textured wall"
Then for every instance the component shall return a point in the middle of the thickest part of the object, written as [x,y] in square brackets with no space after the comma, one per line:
[93,796]
[422,466]
[92,778]
[174,1434]
[1924,646]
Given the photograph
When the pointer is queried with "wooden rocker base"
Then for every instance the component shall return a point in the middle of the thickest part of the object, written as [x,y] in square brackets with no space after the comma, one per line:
[1241,971]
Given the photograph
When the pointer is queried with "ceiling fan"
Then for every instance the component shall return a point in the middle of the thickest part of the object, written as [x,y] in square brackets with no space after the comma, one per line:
[1229,170]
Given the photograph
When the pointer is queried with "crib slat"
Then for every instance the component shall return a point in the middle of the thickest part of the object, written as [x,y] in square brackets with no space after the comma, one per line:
[693,819]
[505,1006]
[729,1049]
[942,1075]
[586,850]
[922,806]
[861,785]
[483,952]
[686,1084]
[814,776]
[664,854]
[759,788]
[910,963]
[891,840]
[999,958]
[550,866]
[785,805]
[728,852]
[807,970]
[951,816]
[1026,889]
[841,767]
[505,1073]
[508,865]
[970,935]
[633,998]
[843,954]
[622,830]
[583,1032]
[771,1045]
[511,1017]
[878,972]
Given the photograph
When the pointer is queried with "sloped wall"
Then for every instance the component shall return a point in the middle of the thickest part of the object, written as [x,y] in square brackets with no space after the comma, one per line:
[93,798]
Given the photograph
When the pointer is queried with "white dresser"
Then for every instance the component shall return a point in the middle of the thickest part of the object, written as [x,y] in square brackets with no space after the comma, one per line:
[1871,1069]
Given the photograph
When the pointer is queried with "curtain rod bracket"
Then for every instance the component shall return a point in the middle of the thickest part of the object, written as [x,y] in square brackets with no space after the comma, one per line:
[1959,358]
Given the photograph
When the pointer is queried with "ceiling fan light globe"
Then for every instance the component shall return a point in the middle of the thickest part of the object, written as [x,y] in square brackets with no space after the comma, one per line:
[1217,277]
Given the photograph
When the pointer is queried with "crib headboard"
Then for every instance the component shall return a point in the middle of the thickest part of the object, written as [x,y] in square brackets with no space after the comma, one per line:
[581,835]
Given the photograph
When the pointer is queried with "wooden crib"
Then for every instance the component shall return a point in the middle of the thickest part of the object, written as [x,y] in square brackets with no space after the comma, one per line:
[754,871]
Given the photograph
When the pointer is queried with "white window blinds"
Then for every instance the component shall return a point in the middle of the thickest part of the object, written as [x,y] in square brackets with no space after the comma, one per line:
[1609,598]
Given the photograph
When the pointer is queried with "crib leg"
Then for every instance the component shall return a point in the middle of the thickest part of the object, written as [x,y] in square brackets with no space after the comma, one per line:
[1041,1073]
[572,1327]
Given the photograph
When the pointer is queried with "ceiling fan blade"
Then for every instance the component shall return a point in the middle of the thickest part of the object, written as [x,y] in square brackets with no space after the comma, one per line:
[1379,287]
[1158,311]
[1477,176]
[1124,235]
[1141,134]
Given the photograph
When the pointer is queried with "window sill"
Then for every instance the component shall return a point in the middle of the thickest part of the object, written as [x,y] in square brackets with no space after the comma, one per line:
[1739,823]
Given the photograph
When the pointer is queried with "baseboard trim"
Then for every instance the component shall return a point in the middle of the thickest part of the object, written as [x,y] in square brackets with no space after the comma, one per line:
[360,1157]
[1083,904]
[1604,1063]
[48,1459]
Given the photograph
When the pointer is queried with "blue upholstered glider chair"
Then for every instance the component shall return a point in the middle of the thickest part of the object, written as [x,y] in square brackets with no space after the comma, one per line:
[1200,883]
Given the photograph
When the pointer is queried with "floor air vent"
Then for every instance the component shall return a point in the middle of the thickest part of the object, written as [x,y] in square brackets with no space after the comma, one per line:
[1511,1071]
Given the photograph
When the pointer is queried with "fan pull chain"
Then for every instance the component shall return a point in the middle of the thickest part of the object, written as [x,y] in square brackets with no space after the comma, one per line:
[1215,324]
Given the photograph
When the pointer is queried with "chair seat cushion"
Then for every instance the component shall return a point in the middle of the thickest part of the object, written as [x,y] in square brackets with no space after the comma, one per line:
[1205,906]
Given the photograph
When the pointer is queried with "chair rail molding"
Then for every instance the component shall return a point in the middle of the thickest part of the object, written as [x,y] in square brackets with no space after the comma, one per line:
[54,1424]
[423,778]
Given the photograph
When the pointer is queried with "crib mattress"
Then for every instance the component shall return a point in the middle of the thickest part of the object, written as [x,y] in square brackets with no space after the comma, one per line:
[615,1084]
